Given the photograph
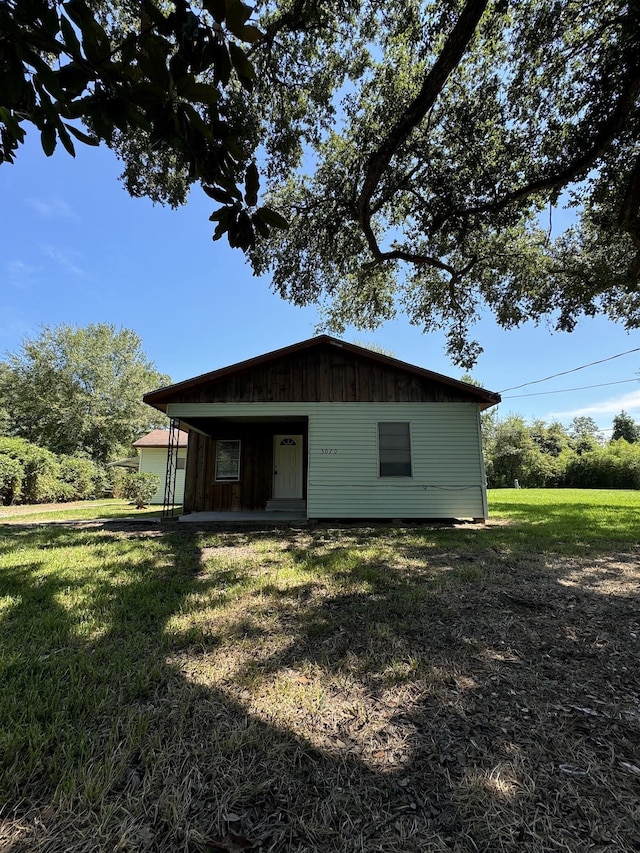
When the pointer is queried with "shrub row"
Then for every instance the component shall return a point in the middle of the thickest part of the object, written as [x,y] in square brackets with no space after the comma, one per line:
[615,466]
[31,474]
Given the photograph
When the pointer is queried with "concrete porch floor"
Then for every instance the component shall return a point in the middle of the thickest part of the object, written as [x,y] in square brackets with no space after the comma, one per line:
[227,517]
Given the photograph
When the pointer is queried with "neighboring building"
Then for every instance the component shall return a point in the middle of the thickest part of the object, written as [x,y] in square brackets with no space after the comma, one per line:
[152,449]
[332,428]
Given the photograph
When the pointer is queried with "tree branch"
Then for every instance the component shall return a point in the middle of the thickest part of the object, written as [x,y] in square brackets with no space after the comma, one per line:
[580,164]
[454,49]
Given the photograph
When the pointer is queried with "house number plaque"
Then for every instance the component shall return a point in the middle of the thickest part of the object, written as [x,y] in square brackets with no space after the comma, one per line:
[327,450]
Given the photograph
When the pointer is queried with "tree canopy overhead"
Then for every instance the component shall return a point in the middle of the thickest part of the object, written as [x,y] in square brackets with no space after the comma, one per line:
[417,149]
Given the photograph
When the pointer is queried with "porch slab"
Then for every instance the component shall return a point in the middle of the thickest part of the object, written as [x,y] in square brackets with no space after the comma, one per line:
[231,517]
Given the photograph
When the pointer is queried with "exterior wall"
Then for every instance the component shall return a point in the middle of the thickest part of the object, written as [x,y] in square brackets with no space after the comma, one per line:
[153,460]
[342,467]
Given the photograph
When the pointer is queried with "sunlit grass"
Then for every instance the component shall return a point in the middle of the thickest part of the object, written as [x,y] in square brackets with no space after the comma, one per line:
[569,519]
[87,510]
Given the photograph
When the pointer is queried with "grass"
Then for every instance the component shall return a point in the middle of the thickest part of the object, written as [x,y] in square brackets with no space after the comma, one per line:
[77,511]
[338,689]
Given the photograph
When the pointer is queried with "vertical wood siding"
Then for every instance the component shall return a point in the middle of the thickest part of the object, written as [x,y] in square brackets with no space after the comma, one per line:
[322,374]
[255,485]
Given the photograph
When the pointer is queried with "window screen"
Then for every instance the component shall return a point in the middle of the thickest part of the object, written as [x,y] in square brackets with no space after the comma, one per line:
[228,460]
[394,447]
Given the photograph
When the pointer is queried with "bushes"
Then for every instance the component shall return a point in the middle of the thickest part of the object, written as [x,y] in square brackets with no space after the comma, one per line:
[117,479]
[616,466]
[11,476]
[84,477]
[140,488]
[30,474]
[540,456]
[41,470]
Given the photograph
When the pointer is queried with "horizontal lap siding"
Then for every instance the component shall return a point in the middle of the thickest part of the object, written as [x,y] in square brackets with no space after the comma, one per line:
[448,477]
[153,460]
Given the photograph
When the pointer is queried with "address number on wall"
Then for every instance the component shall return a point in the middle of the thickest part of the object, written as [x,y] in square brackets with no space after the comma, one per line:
[327,450]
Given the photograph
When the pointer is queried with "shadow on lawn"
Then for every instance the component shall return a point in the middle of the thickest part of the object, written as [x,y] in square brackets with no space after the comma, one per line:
[455,709]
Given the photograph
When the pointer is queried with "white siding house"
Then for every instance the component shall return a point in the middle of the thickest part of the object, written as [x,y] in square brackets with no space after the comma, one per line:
[152,453]
[335,430]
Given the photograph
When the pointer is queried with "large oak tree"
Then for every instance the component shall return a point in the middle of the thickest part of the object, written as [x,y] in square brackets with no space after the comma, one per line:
[419,150]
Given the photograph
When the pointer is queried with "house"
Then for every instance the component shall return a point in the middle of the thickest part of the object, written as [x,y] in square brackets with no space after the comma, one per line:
[152,459]
[334,430]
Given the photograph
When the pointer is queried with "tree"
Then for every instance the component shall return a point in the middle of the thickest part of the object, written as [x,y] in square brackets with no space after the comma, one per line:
[550,438]
[625,427]
[418,150]
[433,193]
[584,425]
[147,78]
[375,347]
[73,389]
[585,434]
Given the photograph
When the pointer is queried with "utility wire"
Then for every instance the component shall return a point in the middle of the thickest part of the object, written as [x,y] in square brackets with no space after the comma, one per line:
[573,370]
[566,390]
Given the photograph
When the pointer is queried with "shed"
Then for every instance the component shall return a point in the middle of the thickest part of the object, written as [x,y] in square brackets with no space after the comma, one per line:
[153,449]
[334,430]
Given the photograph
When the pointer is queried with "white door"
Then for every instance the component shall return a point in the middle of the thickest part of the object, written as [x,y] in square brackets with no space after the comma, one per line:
[287,466]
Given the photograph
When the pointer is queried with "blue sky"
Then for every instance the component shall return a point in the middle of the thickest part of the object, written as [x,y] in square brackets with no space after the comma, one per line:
[75,248]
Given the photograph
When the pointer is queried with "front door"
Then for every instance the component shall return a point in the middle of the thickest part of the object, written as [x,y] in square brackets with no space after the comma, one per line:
[287,466]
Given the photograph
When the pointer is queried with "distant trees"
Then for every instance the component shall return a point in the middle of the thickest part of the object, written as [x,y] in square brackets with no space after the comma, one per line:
[78,389]
[585,433]
[541,455]
[411,147]
[625,427]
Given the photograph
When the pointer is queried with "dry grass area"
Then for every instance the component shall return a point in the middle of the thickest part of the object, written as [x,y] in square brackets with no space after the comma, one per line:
[351,689]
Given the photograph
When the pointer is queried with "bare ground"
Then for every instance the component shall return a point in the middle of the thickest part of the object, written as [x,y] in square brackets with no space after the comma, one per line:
[433,702]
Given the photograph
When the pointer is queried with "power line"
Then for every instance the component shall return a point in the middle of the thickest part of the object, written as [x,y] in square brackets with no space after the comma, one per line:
[573,370]
[566,390]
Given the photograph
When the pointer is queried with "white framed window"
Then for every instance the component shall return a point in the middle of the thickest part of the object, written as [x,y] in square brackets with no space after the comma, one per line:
[394,449]
[227,460]
[181,463]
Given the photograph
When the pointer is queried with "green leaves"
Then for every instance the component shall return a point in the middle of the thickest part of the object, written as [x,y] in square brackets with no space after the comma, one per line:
[73,389]
[252,185]
[163,81]
[48,139]
[271,217]
[243,68]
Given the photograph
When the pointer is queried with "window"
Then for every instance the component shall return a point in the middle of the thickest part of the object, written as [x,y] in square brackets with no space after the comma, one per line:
[394,449]
[228,460]
[181,462]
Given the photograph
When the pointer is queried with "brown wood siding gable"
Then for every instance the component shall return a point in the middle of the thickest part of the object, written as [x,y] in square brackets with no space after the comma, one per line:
[324,374]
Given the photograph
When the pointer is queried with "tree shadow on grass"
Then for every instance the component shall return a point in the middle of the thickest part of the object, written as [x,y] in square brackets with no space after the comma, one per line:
[392,705]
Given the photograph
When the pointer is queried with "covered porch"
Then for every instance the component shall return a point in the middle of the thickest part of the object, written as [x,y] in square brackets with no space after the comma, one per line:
[246,465]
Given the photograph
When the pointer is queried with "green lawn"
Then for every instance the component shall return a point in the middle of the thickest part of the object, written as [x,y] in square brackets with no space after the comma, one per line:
[77,511]
[340,689]
[568,520]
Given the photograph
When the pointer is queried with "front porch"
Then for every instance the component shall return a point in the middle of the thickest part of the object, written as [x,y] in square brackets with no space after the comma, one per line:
[242,467]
